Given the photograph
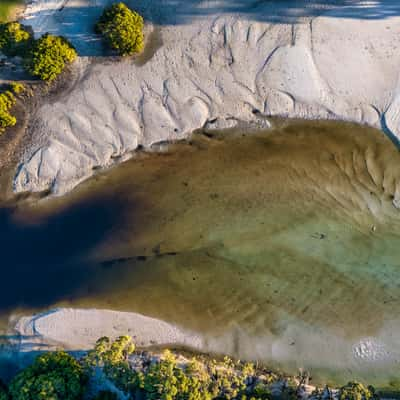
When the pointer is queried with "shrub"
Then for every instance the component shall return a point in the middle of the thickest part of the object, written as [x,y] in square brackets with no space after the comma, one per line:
[122,29]
[107,352]
[7,100]
[166,381]
[17,87]
[49,56]
[106,395]
[113,358]
[356,391]
[55,376]
[3,391]
[14,39]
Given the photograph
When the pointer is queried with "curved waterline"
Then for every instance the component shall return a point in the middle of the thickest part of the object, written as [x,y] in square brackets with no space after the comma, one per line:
[281,246]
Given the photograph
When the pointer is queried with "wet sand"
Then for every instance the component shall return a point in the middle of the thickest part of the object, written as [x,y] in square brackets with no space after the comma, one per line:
[281,246]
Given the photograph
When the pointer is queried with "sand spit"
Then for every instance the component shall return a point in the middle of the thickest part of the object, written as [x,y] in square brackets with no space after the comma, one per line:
[217,66]
[78,329]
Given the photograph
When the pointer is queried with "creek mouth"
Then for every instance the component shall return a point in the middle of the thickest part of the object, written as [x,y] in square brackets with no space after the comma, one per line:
[280,246]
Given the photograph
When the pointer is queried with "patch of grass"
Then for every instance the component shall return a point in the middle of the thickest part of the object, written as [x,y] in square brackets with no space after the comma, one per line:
[7,7]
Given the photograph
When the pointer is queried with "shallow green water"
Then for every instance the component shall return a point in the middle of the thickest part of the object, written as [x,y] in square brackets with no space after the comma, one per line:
[281,246]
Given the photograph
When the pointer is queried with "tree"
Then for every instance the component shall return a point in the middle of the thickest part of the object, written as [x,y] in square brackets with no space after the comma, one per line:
[112,357]
[15,39]
[122,29]
[7,100]
[3,391]
[356,391]
[105,395]
[52,376]
[49,56]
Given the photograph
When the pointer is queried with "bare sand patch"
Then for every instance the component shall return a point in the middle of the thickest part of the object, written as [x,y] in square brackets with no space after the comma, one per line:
[217,65]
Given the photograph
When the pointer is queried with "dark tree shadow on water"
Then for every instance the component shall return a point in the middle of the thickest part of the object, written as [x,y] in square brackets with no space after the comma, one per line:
[45,262]
[77,23]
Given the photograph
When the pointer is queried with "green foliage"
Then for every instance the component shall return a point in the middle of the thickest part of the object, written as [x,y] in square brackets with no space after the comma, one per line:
[165,381]
[357,391]
[113,358]
[262,391]
[107,352]
[17,87]
[14,39]
[106,395]
[49,56]
[7,100]
[3,391]
[122,29]
[229,379]
[53,376]
[56,376]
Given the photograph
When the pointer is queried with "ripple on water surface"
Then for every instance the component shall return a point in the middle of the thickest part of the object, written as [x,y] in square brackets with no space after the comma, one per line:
[281,246]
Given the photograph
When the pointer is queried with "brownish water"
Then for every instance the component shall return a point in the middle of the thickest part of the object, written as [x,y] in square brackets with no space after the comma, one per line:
[281,246]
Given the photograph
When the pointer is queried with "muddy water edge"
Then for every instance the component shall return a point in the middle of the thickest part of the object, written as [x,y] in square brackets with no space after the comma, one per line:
[281,246]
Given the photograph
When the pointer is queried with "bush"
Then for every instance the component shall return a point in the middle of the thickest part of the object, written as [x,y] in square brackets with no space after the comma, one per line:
[7,100]
[105,395]
[49,56]
[122,29]
[15,39]
[357,391]
[3,391]
[55,376]
[113,358]
[17,87]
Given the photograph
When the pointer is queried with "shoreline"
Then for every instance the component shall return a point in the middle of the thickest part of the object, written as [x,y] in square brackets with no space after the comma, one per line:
[77,329]
[262,68]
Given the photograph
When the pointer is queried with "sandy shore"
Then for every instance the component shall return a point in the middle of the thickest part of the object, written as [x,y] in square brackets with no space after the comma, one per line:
[217,65]
[78,329]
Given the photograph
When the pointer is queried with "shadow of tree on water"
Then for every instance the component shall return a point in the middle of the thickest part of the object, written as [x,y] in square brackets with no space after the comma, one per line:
[44,262]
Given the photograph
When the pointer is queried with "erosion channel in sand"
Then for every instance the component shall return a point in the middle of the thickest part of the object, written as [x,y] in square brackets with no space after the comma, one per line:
[281,246]
[208,63]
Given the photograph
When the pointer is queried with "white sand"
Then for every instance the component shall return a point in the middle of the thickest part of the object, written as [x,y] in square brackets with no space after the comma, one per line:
[218,61]
[78,329]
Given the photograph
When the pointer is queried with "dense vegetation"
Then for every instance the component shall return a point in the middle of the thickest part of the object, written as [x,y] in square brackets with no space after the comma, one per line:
[53,376]
[122,29]
[15,39]
[7,101]
[45,57]
[49,56]
[145,376]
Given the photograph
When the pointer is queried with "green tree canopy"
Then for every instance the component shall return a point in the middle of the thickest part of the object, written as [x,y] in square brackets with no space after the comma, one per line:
[53,376]
[50,54]
[3,391]
[7,100]
[122,29]
[14,39]
[356,391]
